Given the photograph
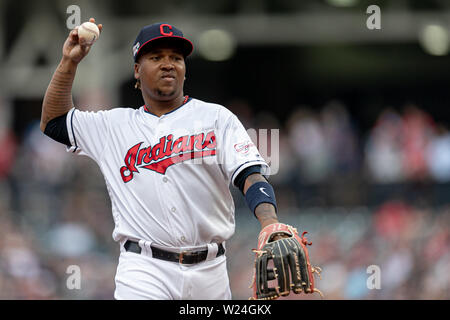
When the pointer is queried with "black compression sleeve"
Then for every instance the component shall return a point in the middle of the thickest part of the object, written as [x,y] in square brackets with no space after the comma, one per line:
[57,130]
[242,176]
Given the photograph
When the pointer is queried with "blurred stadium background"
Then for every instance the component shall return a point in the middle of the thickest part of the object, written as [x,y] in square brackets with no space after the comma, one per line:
[364,141]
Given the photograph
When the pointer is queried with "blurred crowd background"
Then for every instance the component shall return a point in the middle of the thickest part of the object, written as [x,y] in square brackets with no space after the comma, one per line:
[363,119]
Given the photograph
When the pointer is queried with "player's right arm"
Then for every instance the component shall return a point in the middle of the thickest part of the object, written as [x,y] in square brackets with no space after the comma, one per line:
[58,97]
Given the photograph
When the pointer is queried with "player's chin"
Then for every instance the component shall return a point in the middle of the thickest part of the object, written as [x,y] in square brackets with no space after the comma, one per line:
[166,93]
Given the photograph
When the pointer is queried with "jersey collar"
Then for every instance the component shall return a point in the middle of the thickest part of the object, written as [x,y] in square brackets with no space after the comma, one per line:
[186,100]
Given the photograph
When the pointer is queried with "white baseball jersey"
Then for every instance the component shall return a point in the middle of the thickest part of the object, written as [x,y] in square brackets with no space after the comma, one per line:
[168,177]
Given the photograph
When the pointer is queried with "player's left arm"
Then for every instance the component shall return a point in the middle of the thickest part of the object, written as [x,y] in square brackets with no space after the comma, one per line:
[259,195]
[265,212]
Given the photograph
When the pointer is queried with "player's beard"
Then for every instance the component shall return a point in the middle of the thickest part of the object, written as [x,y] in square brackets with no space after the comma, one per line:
[165,95]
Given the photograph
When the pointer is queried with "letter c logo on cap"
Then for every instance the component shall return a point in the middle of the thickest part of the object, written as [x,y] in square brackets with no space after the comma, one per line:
[161,29]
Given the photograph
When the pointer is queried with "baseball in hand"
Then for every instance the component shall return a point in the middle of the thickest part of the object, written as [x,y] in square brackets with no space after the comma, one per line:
[88,33]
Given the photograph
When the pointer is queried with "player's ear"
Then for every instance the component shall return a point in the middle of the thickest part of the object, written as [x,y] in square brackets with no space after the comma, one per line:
[137,68]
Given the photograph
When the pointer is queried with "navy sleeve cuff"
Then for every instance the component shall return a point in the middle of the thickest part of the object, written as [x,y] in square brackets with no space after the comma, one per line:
[239,182]
[57,130]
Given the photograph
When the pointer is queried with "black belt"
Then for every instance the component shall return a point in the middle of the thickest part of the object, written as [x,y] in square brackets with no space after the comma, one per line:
[184,257]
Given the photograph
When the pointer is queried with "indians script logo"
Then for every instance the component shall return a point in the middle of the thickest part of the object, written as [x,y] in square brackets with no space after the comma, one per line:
[166,153]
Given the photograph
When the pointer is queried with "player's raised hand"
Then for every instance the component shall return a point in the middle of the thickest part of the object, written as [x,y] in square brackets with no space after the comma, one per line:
[74,48]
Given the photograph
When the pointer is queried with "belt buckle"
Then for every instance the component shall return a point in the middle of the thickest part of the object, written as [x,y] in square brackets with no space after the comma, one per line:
[181,256]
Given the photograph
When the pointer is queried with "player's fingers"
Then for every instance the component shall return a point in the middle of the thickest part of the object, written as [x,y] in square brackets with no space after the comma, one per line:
[73,36]
[74,32]
[84,46]
[100,26]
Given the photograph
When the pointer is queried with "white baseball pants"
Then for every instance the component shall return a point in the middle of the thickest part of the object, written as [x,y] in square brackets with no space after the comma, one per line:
[141,277]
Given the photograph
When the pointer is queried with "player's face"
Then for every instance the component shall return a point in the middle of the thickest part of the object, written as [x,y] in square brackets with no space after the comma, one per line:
[161,72]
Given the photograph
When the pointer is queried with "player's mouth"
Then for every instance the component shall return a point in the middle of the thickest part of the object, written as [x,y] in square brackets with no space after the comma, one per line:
[168,77]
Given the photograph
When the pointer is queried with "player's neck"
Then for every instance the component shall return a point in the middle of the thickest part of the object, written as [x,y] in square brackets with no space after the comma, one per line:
[159,108]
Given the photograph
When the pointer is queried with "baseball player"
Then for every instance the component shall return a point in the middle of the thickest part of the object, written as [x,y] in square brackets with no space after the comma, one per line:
[167,167]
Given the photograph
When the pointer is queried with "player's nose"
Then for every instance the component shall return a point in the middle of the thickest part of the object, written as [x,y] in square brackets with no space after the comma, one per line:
[166,64]
[167,67]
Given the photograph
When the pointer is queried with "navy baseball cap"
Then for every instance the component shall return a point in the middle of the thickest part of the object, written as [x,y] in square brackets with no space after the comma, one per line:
[152,34]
